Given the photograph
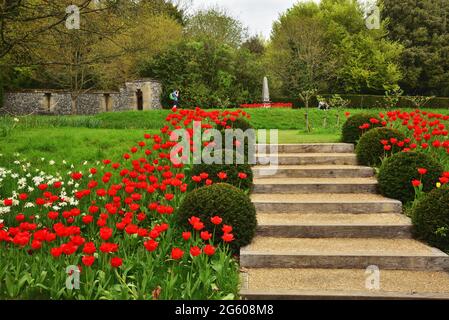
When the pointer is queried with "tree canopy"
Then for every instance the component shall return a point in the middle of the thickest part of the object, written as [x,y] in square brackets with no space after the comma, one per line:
[328,46]
[423,29]
[210,56]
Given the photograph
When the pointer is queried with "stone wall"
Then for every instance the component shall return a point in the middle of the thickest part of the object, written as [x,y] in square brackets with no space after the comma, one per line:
[56,102]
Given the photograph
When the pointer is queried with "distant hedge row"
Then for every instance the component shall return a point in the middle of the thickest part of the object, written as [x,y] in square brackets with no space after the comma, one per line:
[368,102]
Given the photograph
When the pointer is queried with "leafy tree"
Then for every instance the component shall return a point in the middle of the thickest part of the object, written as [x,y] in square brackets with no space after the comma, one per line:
[331,39]
[422,27]
[208,74]
[114,38]
[215,25]
[298,51]
[173,10]
[255,45]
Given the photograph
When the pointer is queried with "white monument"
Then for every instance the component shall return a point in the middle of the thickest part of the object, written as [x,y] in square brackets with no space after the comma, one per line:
[266,93]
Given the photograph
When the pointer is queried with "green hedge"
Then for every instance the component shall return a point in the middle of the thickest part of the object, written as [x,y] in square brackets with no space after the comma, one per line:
[360,101]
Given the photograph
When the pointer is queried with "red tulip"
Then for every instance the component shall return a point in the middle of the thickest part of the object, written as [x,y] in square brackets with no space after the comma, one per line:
[416,183]
[177,253]
[116,262]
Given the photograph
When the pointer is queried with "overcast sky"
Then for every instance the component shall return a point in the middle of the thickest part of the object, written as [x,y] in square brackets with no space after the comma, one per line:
[258,15]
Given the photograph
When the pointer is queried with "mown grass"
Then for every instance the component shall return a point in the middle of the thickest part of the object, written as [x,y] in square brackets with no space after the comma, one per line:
[72,145]
[77,139]
[77,145]
[283,119]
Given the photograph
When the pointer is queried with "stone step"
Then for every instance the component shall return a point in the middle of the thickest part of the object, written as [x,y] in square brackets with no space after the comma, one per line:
[334,225]
[313,171]
[342,253]
[309,148]
[309,158]
[325,203]
[315,185]
[291,284]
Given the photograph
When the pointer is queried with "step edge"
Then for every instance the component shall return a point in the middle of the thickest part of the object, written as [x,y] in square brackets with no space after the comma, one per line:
[339,294]
[251,252]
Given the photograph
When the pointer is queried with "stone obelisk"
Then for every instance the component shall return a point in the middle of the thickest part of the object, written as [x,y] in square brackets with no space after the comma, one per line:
[266,93]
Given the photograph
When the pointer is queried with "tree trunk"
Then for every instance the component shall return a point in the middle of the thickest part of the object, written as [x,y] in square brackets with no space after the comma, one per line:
[307,114]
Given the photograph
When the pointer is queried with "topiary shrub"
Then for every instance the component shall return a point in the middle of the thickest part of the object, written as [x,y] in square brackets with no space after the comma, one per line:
[430,217]
[398,171]
[351,131]
[370,151]
[226,201]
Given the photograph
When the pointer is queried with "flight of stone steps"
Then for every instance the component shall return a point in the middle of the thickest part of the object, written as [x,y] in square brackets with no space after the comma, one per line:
[321,225]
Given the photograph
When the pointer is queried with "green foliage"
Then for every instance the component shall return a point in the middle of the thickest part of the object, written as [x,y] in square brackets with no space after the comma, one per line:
[422,28]
[207,74]
[397,172]
[255,45]
[226,201]
[351,131]
[430,218]
[370,151]
[215,25]
[365,101]
[355,59]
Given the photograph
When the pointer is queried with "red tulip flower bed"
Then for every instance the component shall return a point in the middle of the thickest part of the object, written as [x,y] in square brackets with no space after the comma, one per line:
[427,135]
[267,105]
[117,224]
[426,132]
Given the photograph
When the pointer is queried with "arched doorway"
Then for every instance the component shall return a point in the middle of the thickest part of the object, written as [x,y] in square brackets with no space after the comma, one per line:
[139,96]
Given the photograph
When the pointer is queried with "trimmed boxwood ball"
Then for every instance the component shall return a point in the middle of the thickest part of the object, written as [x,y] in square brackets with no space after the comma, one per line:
[431,218]
[397,172]
[351,131]
[226,201]
[370,150]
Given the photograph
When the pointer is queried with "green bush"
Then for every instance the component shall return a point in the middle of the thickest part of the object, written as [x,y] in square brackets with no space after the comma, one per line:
[207,73]
[351,131]
[398,171]
[370,151]
[226,201]
[366,101]
[431,218]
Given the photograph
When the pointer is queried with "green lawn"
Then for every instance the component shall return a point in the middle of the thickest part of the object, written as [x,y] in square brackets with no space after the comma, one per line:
[77,145]
[77,139]
[284,119]
[74,145]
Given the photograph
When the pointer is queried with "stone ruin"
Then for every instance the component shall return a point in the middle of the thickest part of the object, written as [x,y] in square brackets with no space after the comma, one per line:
[143,94]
